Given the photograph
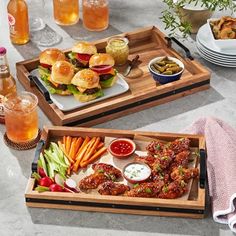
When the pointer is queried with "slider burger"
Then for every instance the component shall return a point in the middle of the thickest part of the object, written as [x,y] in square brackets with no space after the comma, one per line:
[103,63]
[81,53]
[85,85]
[60,78]
[46,60]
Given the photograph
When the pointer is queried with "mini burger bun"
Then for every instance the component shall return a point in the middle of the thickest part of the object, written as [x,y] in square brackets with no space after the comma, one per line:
[101,59]
[84,48]
[51,55]
[62,72]
[86,78]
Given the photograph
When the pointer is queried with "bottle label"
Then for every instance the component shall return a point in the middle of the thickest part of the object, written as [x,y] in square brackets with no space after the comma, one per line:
[2,114]
[12,22]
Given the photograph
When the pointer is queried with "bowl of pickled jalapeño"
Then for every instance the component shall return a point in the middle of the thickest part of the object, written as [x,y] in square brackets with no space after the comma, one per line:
[166,69]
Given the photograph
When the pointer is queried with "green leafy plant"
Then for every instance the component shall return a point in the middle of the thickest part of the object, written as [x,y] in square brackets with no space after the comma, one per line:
[171,16]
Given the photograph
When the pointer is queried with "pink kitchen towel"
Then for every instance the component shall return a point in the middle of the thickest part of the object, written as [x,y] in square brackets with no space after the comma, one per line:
[221,167]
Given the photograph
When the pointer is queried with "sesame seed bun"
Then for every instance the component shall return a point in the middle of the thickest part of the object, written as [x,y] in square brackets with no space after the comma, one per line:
[62,72]
[86,79]
[51,55]
[84,48]
[101,59]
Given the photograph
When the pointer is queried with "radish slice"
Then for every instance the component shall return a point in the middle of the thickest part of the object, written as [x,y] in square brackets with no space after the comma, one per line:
[70,183]
[59,180]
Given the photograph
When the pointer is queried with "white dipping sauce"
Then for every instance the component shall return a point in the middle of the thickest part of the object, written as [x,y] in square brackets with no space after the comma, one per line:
[137,172]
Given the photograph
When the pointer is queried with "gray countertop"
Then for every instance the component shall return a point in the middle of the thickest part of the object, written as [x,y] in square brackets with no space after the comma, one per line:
[219,101]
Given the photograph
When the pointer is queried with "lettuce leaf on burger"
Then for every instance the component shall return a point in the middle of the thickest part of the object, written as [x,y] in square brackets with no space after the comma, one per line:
[103,63]
[81,53]
[85,86]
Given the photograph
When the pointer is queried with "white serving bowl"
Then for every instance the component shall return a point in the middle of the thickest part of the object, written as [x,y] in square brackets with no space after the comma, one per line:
[222,44]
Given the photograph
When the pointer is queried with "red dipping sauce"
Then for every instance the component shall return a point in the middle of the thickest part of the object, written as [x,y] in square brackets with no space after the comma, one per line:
[122,147]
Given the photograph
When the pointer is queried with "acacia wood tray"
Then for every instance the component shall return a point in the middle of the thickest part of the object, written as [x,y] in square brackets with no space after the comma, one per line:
[192,207]
[144,92]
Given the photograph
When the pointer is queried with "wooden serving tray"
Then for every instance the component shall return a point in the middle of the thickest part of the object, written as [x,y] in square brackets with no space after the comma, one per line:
[193,206]
[144,92]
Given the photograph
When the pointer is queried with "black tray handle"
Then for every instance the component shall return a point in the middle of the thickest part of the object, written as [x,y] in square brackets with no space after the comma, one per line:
[187,52]
[35,81]
[34,165]
[202,168]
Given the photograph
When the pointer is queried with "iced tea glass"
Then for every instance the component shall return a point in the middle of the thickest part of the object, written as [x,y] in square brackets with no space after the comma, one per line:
[21,117]
[95,14]
[66,12]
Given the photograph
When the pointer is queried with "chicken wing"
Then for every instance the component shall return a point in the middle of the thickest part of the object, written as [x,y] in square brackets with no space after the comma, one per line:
[147,190]
[93,181]
[179,145]
[173,190]
[155,147]
[181,159]
[163,160]
[181,173]
[111,188]
[107,169]
[149,160]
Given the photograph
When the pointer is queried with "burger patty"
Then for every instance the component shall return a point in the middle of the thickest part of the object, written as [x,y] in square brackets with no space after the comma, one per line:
[77,63]
[105,77]
[63,87]
[91,91]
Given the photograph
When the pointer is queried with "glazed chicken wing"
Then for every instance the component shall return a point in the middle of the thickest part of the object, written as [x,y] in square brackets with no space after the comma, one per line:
[160,176]
[93,181]
[179,145]
[181,159]
[163,161]
[149,160]
[181,173]
[155,147]
[173,190]
[107,169]
[147,190]
[111,188]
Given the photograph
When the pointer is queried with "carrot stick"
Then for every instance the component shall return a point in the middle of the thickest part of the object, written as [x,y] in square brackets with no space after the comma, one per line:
[86,140]
[91,150]
[97,155]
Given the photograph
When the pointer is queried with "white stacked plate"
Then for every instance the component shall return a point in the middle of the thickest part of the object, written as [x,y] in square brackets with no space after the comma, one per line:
[210,52]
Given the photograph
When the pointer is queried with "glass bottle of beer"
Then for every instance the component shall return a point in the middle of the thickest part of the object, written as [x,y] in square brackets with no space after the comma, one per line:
[18,21]
[7,82]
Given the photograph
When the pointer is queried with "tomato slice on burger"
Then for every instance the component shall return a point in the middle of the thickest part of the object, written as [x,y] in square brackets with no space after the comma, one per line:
[101,69]
[83,57]
[46,66]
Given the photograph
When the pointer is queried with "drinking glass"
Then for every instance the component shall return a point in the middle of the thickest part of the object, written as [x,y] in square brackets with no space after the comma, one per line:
[95,15]
[40,32]
[66,12]
[21,117]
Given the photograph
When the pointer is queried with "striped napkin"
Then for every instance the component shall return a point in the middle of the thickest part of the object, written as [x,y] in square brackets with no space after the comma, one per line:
[221,167]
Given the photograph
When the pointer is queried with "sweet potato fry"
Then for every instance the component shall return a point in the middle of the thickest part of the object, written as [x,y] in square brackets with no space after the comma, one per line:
[72,148]
[78,144]
[64,140]
[97,155]
[68,144]
[101,144]
[91,149]
[80,156]
[86,140]
[93,140]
